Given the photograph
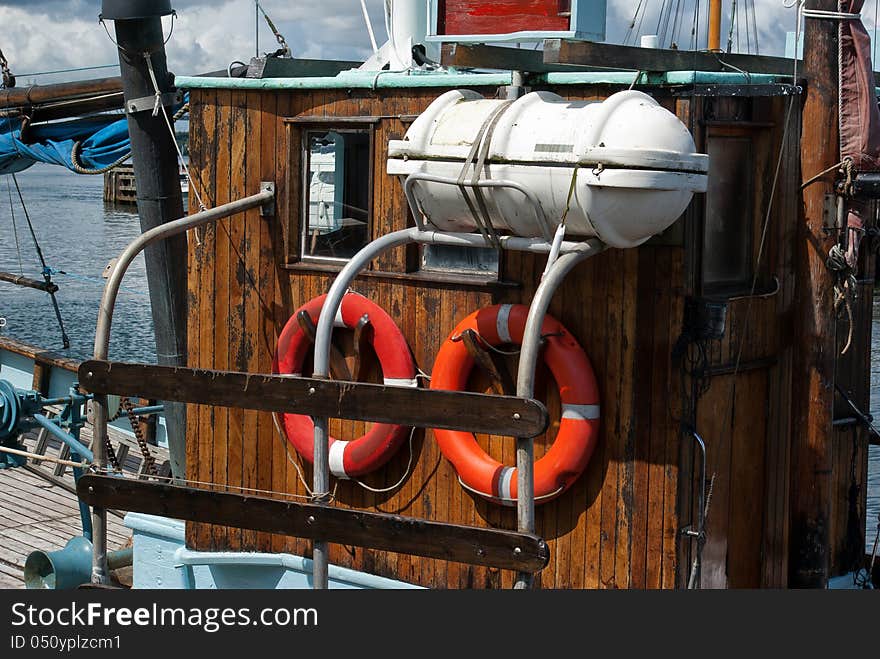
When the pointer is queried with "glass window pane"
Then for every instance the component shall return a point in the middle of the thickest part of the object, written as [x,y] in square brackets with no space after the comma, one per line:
[337,194]
[727,234]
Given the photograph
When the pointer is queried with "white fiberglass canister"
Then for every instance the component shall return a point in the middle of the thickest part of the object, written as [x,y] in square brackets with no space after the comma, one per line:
[625,167]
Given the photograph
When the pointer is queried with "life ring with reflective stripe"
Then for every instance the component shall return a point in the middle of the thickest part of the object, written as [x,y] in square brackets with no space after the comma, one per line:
[578,433]
[367,453]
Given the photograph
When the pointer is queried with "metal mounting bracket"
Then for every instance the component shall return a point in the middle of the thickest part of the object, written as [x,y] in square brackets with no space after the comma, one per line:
[268,209]
[146,103]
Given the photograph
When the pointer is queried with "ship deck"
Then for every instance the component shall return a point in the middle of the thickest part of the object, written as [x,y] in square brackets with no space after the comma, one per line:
[37,514]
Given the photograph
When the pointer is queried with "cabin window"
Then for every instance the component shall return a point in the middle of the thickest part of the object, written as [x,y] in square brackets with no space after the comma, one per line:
[727,231]
[336,193]
[463,260]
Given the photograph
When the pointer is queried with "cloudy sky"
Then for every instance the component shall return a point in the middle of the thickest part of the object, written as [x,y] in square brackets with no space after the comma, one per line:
[44,35]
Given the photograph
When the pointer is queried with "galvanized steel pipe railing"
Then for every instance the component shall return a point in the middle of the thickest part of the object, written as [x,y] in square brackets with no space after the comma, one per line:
[525,383]
[572,254]
[102,336]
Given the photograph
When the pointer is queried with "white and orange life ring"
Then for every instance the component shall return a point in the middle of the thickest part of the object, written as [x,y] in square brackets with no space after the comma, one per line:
[578,433]
[367,453]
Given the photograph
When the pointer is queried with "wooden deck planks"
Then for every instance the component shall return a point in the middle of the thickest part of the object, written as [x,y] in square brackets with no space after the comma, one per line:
[35,515]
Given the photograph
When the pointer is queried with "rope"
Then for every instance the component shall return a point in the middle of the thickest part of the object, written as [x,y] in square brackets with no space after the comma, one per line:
[125,50]
[324,496]
[47,272]
[402,478]
[43,458]
[832,15]
[815,178]
[15,229]
[79,168]
[160,107]
[188,481]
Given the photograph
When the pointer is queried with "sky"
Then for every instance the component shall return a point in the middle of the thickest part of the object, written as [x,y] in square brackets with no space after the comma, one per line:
[45,35]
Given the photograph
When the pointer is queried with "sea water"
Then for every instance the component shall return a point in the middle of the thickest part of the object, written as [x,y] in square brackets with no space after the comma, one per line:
[79,234]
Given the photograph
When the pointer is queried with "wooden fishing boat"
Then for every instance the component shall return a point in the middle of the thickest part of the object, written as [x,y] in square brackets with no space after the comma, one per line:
[731,367]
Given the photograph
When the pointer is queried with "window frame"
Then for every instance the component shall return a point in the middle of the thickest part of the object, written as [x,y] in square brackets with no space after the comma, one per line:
[298,158]
[757,135]
[305,169]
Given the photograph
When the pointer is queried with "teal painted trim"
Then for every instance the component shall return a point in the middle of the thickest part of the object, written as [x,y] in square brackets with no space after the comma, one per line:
[189,558]
[165,527]
[351,80]
[398,80]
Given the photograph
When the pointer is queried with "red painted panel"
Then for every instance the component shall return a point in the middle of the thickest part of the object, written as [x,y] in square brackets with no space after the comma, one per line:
[502,16]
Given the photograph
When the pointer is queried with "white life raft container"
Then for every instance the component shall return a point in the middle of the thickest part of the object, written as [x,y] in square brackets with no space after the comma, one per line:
[625,167]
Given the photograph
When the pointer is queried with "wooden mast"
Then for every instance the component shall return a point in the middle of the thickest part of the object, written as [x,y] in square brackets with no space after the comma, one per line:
[714,25]
[814,318]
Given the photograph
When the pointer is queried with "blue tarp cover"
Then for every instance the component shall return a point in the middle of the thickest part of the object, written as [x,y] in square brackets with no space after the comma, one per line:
[104,140]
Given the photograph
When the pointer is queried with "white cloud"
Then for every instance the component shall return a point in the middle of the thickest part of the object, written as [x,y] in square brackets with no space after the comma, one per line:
[41,35]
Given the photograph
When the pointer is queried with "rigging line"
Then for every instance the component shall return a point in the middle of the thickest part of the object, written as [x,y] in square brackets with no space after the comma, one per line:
[660,15]
[632,23]
[755,28]
[47,272]
[874,37]
[14,229]
[160,107]
[382,490]
[642,20]
[79,68]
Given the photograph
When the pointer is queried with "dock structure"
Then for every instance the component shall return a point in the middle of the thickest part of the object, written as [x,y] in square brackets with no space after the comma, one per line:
[119,187]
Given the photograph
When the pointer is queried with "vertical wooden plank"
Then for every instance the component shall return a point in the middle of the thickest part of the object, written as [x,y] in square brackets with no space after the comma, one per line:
[641,378]
[281,310]
[220,320]
[252,293]
[213,118]
[267,286]
[199,137]
[672,506]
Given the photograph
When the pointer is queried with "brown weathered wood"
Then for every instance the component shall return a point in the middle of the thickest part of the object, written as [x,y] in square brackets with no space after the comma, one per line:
[338,400]
[635,58]
[813,371]
[37,94]
[504,549]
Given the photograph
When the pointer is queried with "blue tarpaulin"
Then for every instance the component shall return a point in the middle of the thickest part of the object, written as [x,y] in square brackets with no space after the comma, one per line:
[103,141]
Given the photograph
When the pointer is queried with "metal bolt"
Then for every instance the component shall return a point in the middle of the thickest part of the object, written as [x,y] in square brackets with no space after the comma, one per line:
[90,374]
[311,519]
[91,489]
[516,416]
[517,551]
[311,390]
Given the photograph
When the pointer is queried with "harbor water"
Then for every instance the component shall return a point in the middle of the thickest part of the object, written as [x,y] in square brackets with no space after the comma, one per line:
[79,234]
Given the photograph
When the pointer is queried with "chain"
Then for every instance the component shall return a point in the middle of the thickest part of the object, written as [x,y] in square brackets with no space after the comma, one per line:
[149,461]
[284,51]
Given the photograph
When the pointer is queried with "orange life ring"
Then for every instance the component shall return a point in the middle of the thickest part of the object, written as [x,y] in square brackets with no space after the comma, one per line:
[370,451]
[567,458]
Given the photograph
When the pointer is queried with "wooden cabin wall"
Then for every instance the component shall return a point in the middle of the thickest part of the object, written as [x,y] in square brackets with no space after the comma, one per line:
[619,526]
